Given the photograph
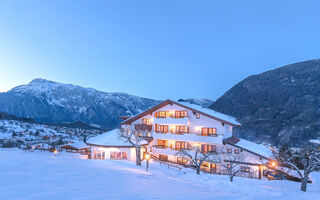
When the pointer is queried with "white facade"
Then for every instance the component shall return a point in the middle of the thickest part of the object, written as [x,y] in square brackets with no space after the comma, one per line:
[126,153]
[109,145]
[166,145]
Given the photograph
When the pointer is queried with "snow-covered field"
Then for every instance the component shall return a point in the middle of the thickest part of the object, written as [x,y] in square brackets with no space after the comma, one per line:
[39,175]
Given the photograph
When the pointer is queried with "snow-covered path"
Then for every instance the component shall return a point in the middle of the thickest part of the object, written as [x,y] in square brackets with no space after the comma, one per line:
[38,175]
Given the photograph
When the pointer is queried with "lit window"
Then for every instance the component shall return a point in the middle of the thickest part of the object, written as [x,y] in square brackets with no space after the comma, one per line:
[236,151]
[146,121]
[198,116]
[181,129]
[208,131]
[229,150]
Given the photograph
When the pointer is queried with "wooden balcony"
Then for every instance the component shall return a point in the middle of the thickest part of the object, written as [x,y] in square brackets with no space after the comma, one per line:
[143,127]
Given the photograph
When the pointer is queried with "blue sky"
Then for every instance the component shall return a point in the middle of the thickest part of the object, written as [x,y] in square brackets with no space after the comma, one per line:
[156,49]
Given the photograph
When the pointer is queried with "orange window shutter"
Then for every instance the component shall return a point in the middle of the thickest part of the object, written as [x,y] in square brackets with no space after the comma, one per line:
[156,128]
[187,129]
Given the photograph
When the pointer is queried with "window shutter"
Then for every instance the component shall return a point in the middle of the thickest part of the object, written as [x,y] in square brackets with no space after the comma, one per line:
[188,129]
[156,128]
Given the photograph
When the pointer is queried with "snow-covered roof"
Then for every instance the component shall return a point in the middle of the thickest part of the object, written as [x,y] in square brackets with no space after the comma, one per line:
[315,141]
[251,146]
[110,138]
[78,145]
[206,111]
[212,113]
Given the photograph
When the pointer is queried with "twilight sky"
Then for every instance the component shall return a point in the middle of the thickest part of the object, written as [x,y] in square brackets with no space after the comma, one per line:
[156,49]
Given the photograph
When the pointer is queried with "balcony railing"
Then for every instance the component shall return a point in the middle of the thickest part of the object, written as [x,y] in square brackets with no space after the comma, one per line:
[143,127]
[172,148]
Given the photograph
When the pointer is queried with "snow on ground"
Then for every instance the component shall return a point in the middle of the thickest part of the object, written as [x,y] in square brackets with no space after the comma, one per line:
[41,175]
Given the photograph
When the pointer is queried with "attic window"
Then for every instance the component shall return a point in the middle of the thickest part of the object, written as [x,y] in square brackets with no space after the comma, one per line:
[236,151]
[198,116]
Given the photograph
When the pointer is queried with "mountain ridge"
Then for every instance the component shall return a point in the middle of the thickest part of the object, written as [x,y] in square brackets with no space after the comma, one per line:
[48,101]
[277,106]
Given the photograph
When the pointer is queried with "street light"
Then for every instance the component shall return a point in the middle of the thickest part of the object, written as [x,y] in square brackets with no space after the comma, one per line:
[147,157]
[55,152]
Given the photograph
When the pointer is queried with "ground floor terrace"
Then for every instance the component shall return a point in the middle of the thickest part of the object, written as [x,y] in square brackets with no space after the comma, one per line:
[250,165]
[246,170]
[42,175]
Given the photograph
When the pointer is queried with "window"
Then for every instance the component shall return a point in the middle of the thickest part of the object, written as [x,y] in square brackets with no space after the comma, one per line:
[182,160]
[148,134]
[208,148]
[162,143]
[140,134]
[162,114]
[229,150]
[229,166]
[244,169]
[115,155]
[181,113]
[208,132]
[163,157]
[198,116]
[162,128]
[180,145]
[124,156]
[181,129]
[100,155]
[189,146]
[146,121]
[118,155]
[236,151]
[230,129]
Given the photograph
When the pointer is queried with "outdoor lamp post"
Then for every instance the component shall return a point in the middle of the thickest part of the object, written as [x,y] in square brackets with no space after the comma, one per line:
[55,152]
[147,157]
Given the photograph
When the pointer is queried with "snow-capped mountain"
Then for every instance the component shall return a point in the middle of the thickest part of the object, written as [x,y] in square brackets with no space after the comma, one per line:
[198,101]
[48,101]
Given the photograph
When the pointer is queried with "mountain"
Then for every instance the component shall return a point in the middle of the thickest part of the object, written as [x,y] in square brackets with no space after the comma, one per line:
[198,101]
[277,106]
[52,102]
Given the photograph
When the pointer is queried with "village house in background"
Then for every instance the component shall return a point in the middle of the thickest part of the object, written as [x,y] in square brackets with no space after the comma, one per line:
[172,126]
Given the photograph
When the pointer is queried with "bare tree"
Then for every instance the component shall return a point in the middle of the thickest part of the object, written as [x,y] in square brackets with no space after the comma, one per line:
[303,161]
[196,156]
[229,161]
[132,136]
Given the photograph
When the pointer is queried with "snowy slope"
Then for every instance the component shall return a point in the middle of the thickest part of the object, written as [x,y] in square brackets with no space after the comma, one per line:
[39,175]
[14,133]
[48,101]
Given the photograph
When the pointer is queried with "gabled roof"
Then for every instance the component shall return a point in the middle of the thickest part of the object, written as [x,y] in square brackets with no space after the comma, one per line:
[257,149]
[111,139]
[195,108]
